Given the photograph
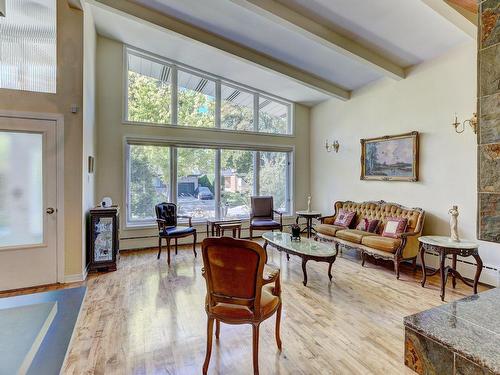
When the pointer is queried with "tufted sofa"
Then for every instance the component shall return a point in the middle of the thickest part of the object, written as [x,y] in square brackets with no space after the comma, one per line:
[404,247]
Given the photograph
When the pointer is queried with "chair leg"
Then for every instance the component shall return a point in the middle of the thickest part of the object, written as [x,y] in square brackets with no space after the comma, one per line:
[278,323]
[415,264]
[194,244]
[396,268]
[210,331]
[363,258]
[251,233]
[168,251]
[255,347]
[176,246]
[217,329]
[159,248]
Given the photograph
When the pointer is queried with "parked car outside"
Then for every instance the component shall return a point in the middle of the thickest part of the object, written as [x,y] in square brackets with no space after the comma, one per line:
[204,193]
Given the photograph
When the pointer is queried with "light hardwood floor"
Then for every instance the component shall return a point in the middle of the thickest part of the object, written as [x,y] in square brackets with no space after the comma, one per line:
[147,318]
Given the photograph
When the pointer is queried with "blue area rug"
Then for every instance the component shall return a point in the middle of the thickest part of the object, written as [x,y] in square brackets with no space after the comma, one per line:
[50,356]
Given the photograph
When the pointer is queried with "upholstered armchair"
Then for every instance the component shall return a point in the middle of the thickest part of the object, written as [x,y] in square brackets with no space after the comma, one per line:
[166,218]
[237,291]
[262,215]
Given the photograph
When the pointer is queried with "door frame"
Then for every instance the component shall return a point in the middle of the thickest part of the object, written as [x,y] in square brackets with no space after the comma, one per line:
[58,119]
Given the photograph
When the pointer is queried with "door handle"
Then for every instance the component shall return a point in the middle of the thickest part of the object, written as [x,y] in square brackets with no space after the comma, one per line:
[50,210]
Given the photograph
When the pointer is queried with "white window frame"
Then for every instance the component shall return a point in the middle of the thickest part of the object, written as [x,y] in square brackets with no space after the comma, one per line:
[173,145]
[175,66]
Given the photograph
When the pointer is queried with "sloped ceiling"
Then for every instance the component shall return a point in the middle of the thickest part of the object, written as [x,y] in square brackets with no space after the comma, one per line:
[324,41]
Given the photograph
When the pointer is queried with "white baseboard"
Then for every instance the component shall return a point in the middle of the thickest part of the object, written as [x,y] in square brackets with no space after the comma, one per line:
[77,277]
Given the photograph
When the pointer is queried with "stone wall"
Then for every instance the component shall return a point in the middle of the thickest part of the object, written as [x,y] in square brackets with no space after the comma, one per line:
[489,121]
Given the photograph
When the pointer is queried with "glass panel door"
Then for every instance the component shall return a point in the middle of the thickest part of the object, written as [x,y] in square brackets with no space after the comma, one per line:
[28,203]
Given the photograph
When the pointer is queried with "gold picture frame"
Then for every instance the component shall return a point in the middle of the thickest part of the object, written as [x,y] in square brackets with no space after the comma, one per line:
[390,158]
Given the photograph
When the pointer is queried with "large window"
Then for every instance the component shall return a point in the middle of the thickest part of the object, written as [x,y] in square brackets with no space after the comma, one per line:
[273,116]
[237,108]
[28,51]
[149,181]
[209,182]
[237,182]
[195,100]
[273,177]
[162,92]
[196,182]
[149,91]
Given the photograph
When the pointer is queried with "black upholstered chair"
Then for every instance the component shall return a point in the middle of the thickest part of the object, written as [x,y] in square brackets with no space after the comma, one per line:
[262,215]
[166,217]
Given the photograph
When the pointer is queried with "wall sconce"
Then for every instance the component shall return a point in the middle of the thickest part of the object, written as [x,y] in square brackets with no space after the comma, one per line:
[472,122]
[332,146]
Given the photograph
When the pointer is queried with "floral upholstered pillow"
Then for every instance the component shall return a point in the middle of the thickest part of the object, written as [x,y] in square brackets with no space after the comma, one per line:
[368,225]
[344,218]
[394,226]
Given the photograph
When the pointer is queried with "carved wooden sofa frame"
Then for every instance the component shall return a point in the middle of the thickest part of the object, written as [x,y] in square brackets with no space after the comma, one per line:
[407,250]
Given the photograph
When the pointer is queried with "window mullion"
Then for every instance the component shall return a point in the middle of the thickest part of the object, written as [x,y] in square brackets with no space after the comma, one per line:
[256,112]
[173,174]
[288,186]
[256,174]
[174,96]
[218,104]
[217,184]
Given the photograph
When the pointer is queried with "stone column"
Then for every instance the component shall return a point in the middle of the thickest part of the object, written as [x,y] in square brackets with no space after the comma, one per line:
[489,121]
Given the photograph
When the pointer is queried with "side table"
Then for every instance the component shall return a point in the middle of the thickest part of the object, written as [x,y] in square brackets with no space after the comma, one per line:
[444,246]
[212,225]
[309,216]
[234,227]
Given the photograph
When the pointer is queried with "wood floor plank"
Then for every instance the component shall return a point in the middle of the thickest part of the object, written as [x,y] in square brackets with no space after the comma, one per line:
[148,318]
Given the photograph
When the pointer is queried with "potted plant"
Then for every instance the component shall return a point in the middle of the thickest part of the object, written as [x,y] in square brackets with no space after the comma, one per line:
[295,232]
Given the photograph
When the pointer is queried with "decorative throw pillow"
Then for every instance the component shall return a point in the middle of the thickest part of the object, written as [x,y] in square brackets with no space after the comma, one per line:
[394,226]
[368,225]
[344,218]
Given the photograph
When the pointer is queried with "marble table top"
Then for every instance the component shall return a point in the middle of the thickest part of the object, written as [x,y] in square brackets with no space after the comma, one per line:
[305,246]
[308,213]
[444,241]
[469,326]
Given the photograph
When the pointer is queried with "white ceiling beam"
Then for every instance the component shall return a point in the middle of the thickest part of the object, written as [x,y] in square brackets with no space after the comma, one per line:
[446,11]
[190,31]
[297,22]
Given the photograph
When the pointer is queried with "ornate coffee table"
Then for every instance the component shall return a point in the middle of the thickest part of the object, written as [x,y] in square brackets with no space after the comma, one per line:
[305,248]
[444,246]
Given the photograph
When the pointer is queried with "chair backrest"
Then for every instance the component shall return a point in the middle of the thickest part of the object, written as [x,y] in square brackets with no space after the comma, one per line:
[168,212]
[233,272]
[262,207]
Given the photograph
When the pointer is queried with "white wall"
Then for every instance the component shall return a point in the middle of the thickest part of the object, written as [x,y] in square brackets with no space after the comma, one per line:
[425,101]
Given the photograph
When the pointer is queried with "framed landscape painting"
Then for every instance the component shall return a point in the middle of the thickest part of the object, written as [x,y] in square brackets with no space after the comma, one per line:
[390,158]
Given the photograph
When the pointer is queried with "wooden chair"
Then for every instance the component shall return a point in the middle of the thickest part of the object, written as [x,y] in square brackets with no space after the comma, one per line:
[237,292]
[262,215]
[166,217]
